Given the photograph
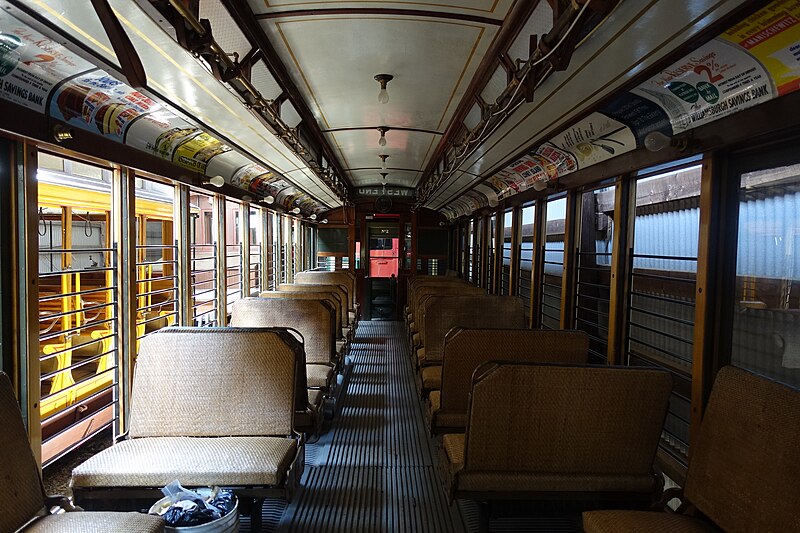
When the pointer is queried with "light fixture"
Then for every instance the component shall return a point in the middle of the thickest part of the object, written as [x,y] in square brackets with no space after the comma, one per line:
[324,220]
[539,185]
[296,210]
[383,178]
[61,133]
[216,181]
[493,201]
[268,199]
[382,140]
[383,161]
[313,216]
[655,141]
[383,79]
[247,198]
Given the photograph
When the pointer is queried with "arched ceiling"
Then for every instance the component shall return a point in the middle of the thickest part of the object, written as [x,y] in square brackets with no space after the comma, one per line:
[332,50]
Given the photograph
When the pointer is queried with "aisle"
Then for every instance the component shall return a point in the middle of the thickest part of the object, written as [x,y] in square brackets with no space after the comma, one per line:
[373,470]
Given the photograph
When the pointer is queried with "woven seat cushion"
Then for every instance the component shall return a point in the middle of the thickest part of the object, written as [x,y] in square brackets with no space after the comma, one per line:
[416,340]
[352,316]
[434,402]
[319,375]
[440,419]
[315,398]
[346,332]
[641,522]
[453,445]
[96,522]
[432,377]
[421,356]
[207,461]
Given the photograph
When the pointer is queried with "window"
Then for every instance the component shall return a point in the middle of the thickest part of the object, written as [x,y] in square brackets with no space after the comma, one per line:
[203,264]
[593,273]
[553,263]
[505,281]
[491,251]
[526,259]
[766,321]
[662,287]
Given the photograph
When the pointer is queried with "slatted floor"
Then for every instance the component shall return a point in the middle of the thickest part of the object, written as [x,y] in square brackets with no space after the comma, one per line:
[374,470]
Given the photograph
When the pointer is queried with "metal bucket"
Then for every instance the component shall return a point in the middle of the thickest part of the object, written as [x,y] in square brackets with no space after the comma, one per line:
[227,524]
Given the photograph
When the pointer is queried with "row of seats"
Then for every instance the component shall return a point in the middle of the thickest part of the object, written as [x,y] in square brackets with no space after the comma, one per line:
[520,415]
[229,406]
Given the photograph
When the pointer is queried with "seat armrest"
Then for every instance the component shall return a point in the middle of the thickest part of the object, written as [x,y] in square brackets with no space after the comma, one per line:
[61,501]
[674,493]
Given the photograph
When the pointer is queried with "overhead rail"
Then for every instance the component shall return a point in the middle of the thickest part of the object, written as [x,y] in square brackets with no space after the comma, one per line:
[196,37]
[551,53]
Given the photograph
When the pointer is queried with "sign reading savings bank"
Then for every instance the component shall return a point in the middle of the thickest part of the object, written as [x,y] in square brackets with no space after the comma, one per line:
[754,61]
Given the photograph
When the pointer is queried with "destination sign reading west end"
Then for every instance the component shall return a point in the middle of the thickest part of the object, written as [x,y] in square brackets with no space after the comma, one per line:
[404,192]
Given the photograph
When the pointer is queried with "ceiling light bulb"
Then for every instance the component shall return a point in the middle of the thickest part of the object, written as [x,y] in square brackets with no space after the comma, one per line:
[216,181]
[540,185]
[313,216]
[382,140]
[383,95]
[296,210]
[656,141]
[268,199]
[247,198]
[324,220]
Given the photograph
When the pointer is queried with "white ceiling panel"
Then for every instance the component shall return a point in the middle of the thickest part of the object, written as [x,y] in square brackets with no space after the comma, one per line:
[483,8]
[334,59]
[362,178]
[406,149]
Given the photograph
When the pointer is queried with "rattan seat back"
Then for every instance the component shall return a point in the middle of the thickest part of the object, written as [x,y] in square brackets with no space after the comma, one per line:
[745,466]
[327,296]
[337,277]
[314,319]
[207,382]
[337,290]
[467,349]
[443,312]
[21,492]
[571,421]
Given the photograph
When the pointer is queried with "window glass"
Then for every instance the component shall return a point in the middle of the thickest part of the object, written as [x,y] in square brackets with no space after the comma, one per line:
[526,258]
[766,323]
[553,271]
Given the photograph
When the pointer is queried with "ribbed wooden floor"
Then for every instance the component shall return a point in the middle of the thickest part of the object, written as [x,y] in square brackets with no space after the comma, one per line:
[374,471]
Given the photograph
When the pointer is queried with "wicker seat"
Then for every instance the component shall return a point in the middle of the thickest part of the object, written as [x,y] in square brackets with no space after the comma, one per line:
[338,277]
[548,432]
[22,498]
[339,292]
[466,349]
[342,332]
[744,467]
[314,319]
[193,422]
[444,312]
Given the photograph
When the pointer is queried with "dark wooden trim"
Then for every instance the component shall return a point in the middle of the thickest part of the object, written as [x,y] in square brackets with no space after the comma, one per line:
[568,269]
[379,11]
[243,16]
[512,25]
[710,32]
[708,247]
[388,128]
[617,307]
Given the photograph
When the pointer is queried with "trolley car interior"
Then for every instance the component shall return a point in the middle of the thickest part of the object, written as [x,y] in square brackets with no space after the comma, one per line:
[452,266]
